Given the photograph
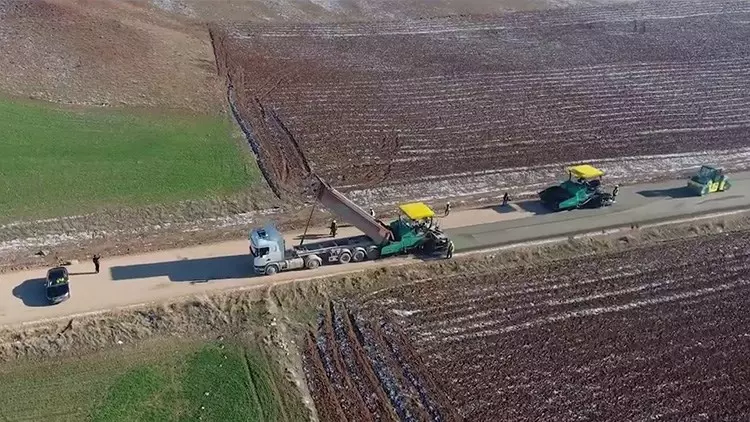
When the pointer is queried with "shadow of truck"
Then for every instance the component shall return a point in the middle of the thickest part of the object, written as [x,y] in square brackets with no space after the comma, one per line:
[190,270]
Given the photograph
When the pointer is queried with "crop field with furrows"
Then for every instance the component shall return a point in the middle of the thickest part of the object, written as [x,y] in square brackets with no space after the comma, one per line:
[425,108]
[358,372]
[653,332]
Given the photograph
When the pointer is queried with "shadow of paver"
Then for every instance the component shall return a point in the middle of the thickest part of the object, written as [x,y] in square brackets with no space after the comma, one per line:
[680,192]
[534,207]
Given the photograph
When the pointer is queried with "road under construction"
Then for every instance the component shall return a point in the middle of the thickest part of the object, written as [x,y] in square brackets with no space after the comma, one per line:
[138,279]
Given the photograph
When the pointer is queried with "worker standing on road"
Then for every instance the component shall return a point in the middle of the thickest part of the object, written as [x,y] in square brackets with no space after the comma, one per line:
[449,254]
[372,213]
[615,191]
[96,259]
[447,209]
[506,199]
[334,228]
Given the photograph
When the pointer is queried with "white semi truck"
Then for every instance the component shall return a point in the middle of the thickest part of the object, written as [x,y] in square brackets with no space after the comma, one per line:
[413,231]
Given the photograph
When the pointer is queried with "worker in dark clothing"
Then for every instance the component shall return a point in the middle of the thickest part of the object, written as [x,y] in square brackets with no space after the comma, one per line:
[449,254]
[334,228]
[447,209]
[96,259]
[615,191]
[372,213]
[506,199]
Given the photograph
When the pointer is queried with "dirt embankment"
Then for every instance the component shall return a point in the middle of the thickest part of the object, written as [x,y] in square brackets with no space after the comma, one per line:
[106,53]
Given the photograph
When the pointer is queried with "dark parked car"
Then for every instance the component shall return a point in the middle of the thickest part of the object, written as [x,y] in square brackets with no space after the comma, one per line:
[57,286]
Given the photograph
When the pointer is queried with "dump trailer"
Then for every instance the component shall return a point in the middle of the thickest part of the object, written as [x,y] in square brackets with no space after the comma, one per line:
[414,231]
[581,190]
[709,180]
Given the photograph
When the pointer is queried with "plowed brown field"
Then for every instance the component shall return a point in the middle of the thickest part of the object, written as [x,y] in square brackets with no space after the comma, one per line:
[654,332]
[421,108]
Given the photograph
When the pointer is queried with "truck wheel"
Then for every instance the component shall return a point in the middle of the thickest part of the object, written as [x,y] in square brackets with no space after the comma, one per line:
[345,257]
[312,263]
[271,269]
[359,255]
[373,253]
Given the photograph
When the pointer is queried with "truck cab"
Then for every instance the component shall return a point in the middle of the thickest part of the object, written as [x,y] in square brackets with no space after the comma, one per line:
[267,245]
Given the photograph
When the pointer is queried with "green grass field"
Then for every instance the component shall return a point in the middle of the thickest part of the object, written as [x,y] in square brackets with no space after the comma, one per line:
[58,161]
[157,382]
